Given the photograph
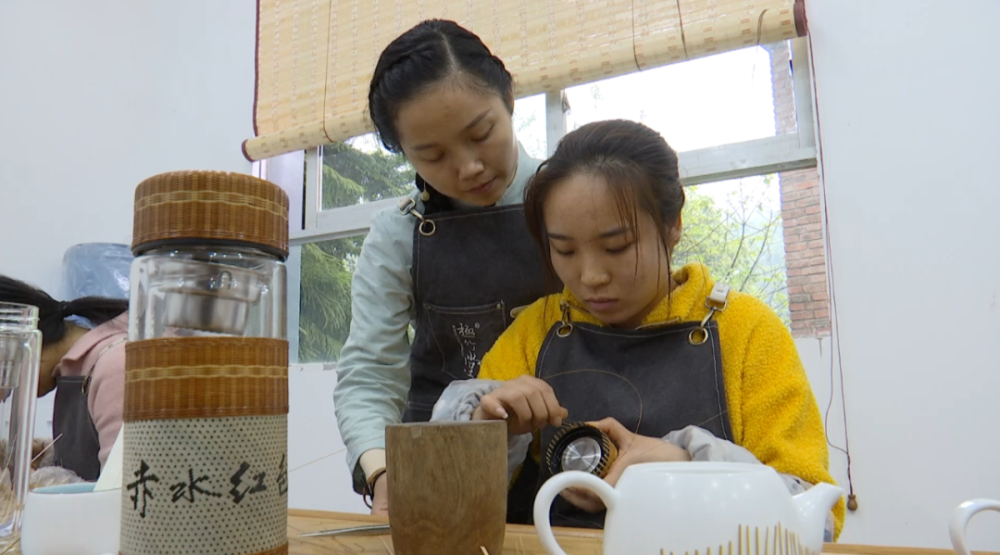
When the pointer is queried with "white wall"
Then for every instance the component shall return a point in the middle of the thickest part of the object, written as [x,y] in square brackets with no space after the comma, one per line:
[318,477]
[96,96]
[909,109]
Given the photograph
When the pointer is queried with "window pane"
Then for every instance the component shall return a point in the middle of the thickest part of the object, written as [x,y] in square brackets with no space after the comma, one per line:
[325,297]
[359,170]
[735,228]
[717,100]
[529,124]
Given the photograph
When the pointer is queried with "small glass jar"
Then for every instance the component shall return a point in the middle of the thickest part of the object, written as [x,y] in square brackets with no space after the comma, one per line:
[210,250]
[20,355]
[202,290]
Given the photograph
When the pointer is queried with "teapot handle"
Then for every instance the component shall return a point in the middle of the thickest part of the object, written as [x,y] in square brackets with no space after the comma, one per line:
[551,488]
[959,520]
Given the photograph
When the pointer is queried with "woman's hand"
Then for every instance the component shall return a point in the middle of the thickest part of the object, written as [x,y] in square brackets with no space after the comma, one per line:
[526,403]
[380,496]
[632,449]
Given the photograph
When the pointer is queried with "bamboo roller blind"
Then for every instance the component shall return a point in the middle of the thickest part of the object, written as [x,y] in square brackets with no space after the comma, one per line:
[316,57]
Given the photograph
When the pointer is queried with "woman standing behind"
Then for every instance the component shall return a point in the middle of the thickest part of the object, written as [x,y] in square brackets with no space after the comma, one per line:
[455,260]
[85,366]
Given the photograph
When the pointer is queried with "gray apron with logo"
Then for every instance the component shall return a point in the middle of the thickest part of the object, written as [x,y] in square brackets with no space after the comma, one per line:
[653,380]
[472,271]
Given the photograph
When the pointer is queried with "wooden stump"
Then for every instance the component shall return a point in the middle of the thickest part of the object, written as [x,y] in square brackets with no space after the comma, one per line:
[447,487]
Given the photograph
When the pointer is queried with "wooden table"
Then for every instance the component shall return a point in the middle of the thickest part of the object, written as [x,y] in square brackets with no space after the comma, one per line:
[521,540]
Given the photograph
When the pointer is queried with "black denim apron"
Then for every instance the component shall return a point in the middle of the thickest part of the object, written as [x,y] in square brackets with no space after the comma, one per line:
[77,444]
[472,271]
[653,380]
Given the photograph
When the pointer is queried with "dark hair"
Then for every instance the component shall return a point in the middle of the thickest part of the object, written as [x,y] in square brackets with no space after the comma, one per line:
[430,52]
[52,314]
[423,56]
[638,165]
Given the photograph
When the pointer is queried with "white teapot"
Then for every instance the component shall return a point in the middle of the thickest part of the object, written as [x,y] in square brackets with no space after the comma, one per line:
[698,508]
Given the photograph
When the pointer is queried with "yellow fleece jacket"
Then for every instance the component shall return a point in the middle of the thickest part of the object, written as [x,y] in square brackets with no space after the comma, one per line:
[772,410]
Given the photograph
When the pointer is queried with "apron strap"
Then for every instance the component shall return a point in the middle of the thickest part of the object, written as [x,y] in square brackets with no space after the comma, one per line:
[718,297]
[409,206]
[566,326]
[717,301]
[85,386]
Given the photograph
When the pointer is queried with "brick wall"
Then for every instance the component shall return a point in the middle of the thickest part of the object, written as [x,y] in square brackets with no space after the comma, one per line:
[805,251]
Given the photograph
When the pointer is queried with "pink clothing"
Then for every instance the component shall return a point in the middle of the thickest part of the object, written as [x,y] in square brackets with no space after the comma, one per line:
[107,383]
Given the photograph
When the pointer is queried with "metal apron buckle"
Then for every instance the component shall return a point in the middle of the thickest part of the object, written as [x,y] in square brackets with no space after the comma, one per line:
[425,227]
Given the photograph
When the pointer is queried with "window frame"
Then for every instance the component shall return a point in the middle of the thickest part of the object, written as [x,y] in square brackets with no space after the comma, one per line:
[769,155]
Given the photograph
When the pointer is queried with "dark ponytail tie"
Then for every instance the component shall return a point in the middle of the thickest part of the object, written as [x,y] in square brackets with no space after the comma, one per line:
[65,310]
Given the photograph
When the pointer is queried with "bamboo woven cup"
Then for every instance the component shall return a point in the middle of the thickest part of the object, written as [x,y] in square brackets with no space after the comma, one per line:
[447,487]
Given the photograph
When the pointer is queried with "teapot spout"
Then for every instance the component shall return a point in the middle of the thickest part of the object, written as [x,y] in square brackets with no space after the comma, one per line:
[813,505]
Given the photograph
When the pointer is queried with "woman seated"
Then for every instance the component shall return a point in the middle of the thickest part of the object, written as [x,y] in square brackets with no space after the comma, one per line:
[670,365]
